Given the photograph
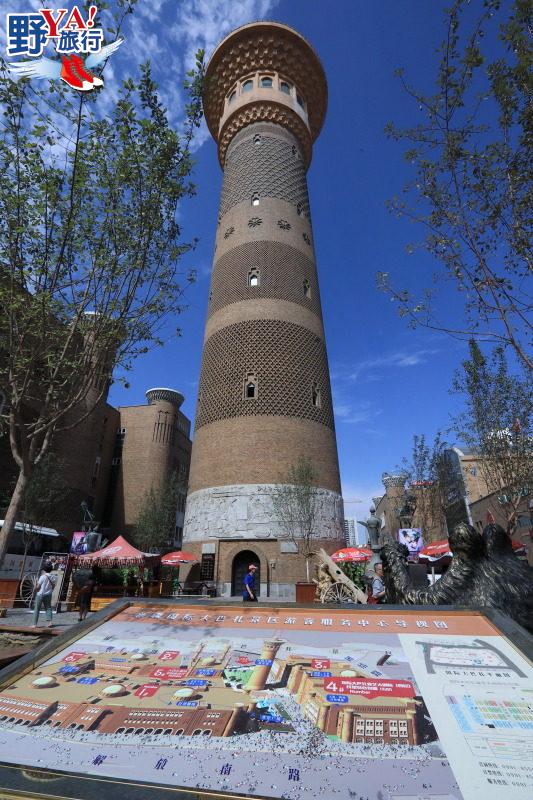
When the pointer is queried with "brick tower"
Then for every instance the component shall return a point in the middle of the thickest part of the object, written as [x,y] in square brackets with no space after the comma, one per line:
[264,397]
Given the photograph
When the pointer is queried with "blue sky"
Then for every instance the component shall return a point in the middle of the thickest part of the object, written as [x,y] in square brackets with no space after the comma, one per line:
[389,382]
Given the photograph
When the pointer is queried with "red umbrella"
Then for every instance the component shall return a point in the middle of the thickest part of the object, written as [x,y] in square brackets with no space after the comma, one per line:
[518,547]
[177,558]
[353,554]
[436,550]
[440,549]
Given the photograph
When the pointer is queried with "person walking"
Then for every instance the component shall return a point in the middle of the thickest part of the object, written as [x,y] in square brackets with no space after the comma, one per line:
[85,595]
[43,596]
[248,592]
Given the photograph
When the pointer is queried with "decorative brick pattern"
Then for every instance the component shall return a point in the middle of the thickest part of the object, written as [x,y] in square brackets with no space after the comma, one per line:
[267,45]
[287,359]
[271,169]
[283,272]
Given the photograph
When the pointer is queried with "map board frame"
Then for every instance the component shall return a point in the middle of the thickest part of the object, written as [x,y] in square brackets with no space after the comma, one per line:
[39,781]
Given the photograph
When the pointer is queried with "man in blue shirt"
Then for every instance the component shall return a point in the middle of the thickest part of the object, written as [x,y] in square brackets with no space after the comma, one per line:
[248,593]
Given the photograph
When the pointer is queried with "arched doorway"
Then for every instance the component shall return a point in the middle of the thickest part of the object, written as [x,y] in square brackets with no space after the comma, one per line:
[239,568]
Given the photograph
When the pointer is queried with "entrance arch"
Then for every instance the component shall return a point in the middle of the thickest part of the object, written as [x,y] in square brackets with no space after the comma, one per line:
[239,568]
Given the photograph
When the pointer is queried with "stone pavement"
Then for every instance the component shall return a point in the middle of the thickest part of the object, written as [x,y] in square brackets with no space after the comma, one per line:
[23,618]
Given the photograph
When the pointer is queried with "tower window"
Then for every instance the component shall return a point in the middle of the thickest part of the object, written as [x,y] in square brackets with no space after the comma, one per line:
[299,100]
[315,394]
[232,96]
[255,199]
[253,277]
[250,387]
[257,139]
[285,87]
[307,288]
[248,85]
[266,83]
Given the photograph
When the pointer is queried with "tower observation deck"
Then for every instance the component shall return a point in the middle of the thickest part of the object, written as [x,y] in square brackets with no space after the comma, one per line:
[264,395]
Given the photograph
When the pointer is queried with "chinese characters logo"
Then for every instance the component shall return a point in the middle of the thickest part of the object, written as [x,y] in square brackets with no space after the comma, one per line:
[70,34]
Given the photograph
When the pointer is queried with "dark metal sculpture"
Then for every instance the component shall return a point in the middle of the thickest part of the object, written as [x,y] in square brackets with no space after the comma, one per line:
[484,572]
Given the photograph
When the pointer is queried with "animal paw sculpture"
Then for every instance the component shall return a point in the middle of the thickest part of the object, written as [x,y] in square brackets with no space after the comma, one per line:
[484,572]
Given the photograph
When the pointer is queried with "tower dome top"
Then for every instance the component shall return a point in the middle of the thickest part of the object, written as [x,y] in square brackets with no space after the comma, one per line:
[167,395]
[265,46]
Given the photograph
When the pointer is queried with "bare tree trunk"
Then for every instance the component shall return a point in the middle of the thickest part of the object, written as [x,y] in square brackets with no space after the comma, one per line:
[12,512]
[307,569]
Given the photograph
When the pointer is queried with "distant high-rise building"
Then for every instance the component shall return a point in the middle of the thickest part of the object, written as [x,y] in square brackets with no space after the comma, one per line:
[356,535]
[349,532]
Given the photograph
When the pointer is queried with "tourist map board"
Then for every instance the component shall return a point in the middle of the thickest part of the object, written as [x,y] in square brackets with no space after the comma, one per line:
[284,702]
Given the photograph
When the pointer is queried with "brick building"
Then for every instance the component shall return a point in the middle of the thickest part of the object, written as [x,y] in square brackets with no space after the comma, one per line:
[264,396]
[112,459]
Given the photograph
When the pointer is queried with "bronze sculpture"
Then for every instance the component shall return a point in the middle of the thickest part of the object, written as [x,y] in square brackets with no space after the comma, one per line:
[484,572]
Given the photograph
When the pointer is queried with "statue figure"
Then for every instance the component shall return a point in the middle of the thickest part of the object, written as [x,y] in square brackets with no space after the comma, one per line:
[373,526]
[484,572]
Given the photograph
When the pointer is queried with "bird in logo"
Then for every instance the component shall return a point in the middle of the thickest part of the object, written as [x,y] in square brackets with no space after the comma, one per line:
[72,68]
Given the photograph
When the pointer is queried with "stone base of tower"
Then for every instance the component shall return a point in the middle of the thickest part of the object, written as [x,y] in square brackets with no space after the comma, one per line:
[280,565]
[231,527]
[246,511]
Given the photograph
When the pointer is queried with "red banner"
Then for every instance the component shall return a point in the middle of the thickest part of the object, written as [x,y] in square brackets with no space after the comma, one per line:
[168,655]
[375,687]
[169,673]
[146,690]
[73,657]
[320,663]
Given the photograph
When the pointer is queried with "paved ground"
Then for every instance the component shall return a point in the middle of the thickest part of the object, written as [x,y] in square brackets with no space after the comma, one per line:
[23,618]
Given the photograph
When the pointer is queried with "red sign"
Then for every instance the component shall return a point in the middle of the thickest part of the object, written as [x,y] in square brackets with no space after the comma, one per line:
[320,663]
[169,673]
[73,656]
[168,655]
[243,660]
[146,690]
[375,687]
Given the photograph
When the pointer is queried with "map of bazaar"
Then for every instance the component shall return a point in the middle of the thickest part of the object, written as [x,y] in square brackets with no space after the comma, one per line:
[284,703]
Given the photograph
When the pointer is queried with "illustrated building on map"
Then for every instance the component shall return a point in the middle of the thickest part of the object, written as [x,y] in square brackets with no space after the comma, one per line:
[378,720]
[264,396]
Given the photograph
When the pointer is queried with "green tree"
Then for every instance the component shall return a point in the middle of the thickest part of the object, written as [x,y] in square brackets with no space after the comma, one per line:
[496,426]
[90,246]
[471,157]
[155,527]
[295,505]
[429,480]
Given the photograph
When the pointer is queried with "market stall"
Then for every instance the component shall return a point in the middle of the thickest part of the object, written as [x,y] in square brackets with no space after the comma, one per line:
[137,568]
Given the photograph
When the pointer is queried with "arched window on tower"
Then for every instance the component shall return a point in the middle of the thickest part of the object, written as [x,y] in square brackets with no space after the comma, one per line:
[285,87]
[253,277]
[248,85]
[257,139]
[266,82]
[307,288]
[232,96]
[255,199]
[250,387]
[315,394]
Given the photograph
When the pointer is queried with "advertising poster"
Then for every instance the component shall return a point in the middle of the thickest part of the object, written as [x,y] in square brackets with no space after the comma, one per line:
[283,703]
[59,563]
[412,539]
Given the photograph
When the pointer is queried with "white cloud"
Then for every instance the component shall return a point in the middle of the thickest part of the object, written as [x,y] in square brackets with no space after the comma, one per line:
[365,369]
